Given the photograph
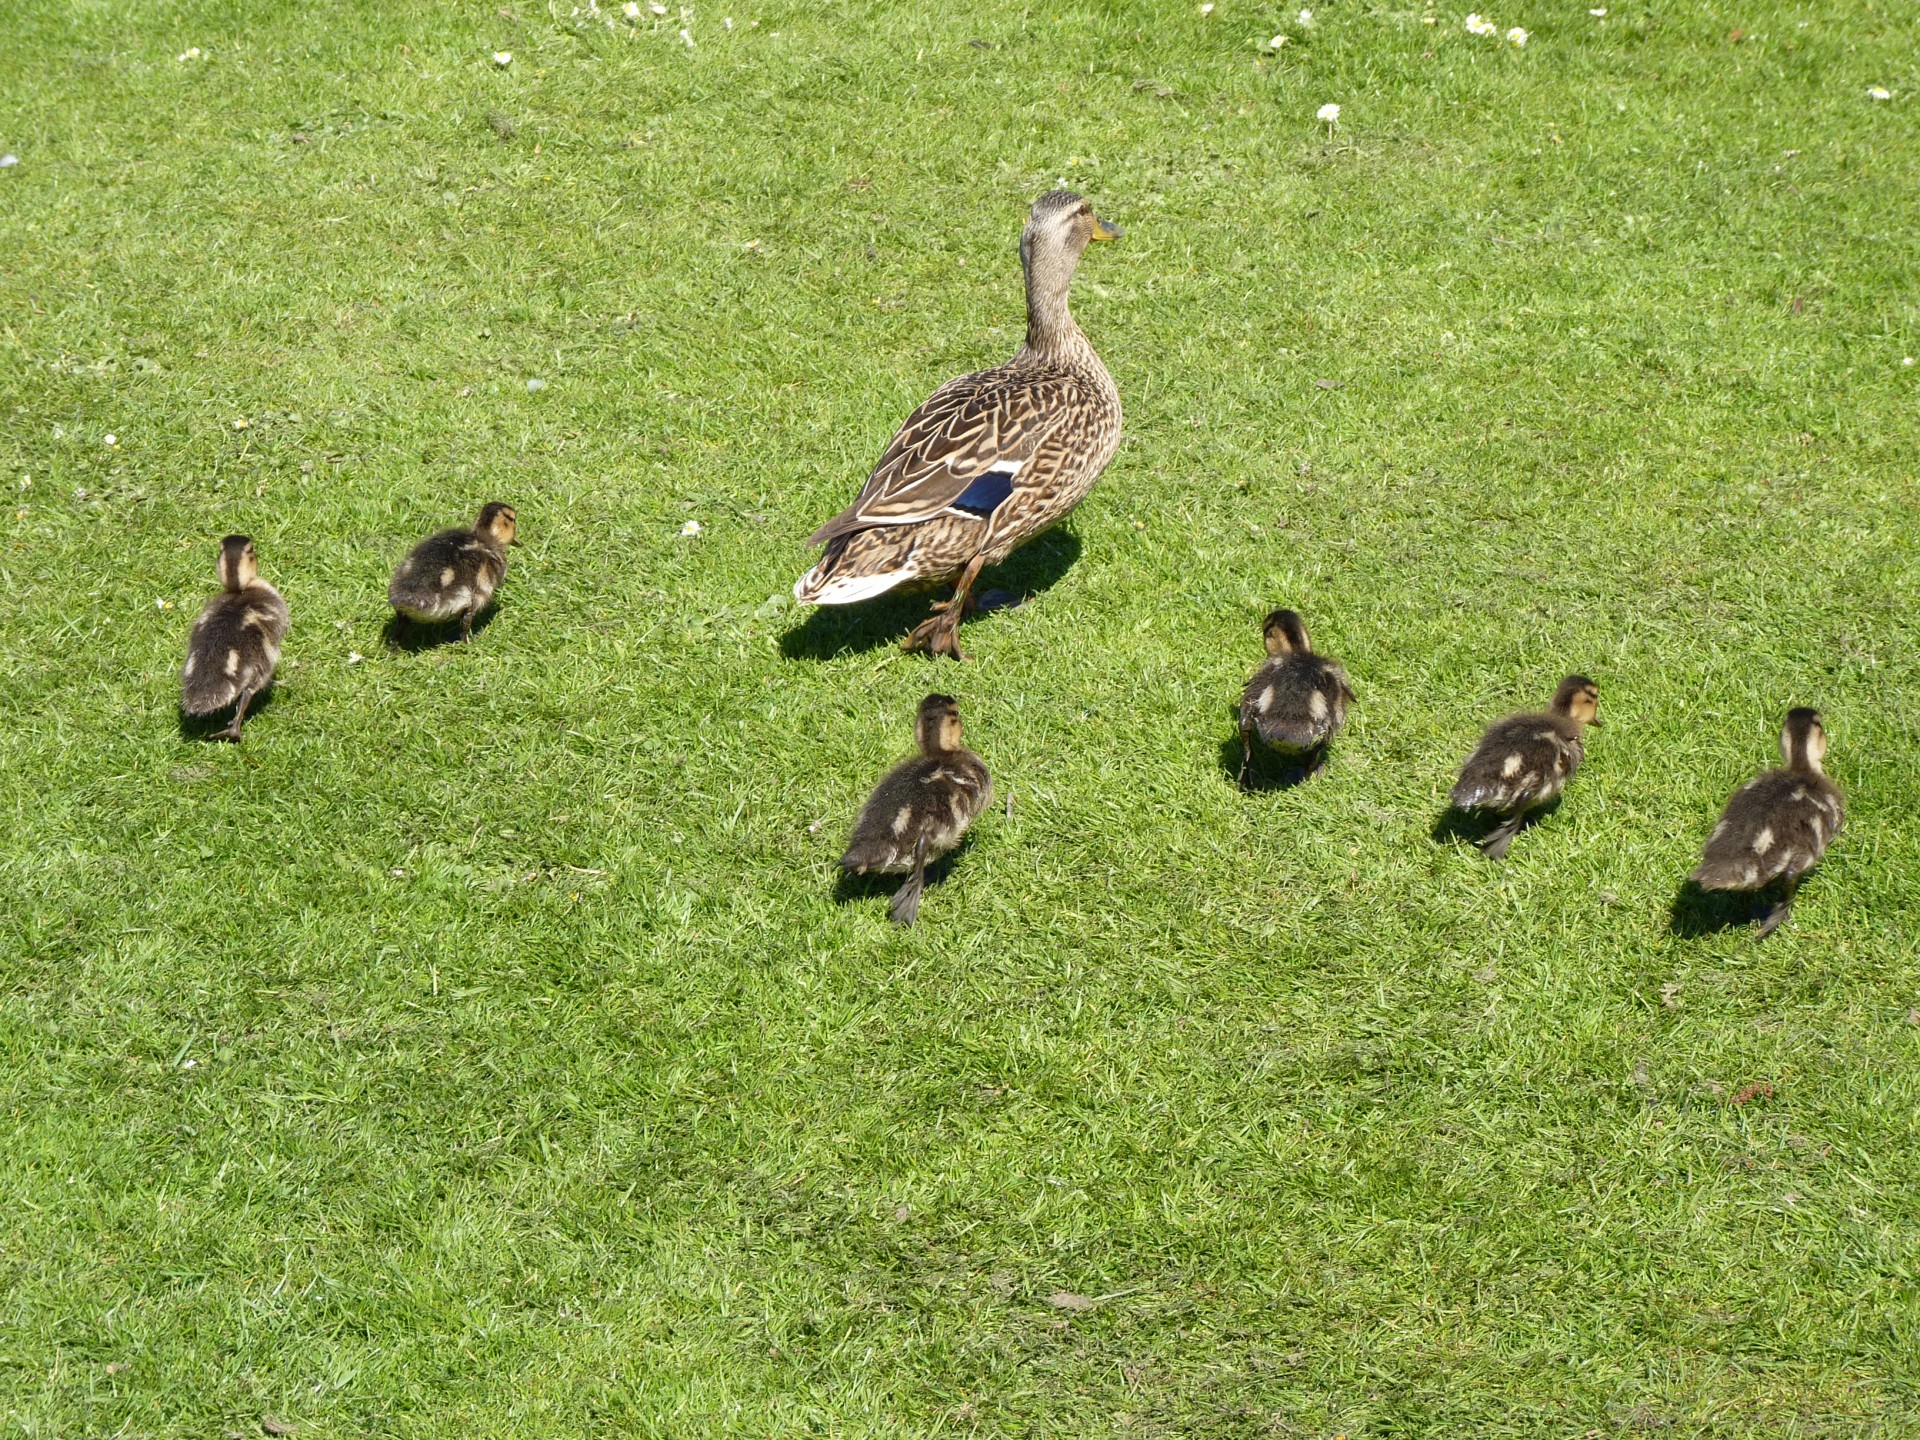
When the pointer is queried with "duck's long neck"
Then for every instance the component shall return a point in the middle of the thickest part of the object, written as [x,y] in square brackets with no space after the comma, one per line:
[1052,333]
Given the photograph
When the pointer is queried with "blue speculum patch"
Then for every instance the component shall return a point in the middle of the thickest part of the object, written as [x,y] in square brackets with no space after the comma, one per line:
[985,495]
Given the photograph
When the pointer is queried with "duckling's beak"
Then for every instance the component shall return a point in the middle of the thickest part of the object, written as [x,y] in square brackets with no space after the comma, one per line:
[1595,723]
[1106,230]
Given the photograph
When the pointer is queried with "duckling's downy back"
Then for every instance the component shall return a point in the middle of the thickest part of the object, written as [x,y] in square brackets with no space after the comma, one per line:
[235,643]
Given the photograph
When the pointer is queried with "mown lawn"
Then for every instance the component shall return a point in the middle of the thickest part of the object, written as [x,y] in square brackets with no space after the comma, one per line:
[486,1048]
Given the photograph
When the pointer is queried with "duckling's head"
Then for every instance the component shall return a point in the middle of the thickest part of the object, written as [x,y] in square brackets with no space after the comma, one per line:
[1059,228]
[937,726]
[1803,739]
[498,521]
[1578,698]
[238,567]
[1286,633]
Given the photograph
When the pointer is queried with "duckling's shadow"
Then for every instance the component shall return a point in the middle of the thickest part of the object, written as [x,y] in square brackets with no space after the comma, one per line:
[205,727]
[1696,912]
[832,630]
[1455,824]
[411,637]
[852,886]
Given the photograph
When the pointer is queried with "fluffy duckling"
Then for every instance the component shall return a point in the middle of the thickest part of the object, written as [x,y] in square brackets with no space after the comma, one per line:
[921,807]
[235,642]
[1523,761]
[1777,825]
[453,572]
[1295,700]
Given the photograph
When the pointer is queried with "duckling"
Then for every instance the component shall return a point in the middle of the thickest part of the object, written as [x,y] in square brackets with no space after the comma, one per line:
[1295,700]
[235,642]
[1523,761]
[1777,825]
[921,807]
[453,572]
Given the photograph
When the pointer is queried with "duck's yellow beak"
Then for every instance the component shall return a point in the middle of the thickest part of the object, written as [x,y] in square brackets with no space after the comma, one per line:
[1106,230]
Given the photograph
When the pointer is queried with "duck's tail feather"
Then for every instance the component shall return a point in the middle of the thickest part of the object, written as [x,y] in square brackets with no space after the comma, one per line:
[858,567]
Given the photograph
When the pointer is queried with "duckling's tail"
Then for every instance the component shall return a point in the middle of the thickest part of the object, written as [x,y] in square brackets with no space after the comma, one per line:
[859,566]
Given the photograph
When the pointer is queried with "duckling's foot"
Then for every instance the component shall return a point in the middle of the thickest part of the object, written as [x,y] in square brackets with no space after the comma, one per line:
[399,632]
[1494,844]
[1774,917]
[905,908]
[232,732]
[1316,762]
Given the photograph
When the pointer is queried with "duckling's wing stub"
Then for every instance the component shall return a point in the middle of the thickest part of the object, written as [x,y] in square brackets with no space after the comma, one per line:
[233,649]
[1521,763]
[1296,703]
[1776,827]
[962,450]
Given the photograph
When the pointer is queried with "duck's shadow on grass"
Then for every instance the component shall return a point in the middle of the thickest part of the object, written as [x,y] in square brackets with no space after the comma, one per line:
[411,637]
[205,727]
[1473,826]
[851,888]
[831,630]
[1266,770]
[1696,912]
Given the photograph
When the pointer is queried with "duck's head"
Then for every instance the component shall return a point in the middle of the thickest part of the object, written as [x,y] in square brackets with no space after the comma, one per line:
[238,567]
[498,521]
[1059,227]
[937,726]
[1286,633]
[1578,698]
[1803,739]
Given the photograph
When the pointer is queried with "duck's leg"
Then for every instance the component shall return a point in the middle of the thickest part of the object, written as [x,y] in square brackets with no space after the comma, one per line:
[400,632]
[1316,762]
[1494,844]
[1776,914]
[905,908]
[1246,753]
[232,732]
[466,623]
[940,635]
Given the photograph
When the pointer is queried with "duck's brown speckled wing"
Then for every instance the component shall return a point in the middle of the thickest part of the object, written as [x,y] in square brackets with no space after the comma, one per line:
[965,450]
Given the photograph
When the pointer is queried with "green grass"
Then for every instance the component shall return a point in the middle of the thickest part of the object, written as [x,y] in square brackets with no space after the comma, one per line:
[482,1049]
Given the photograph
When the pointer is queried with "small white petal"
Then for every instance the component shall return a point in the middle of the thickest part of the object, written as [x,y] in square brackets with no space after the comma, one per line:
[631,9]
[691,528]
[1276,42]
[503,58]
[1306,17]
[1879,92]
[1206,9]
[686,37]
[8,161]
[354,657]
[110,440]
[1328,113]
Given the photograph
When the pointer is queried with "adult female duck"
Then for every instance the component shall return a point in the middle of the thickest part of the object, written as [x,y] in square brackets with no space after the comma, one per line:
[991,459]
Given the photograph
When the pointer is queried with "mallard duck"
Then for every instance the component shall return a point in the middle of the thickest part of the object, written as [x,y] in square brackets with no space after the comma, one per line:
[1295,700]
[1523,761]
[453,572]
[921,808]
[991,459]
[1777,825]
[235,642]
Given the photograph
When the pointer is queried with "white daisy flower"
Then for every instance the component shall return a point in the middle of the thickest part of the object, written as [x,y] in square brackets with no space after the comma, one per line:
[1206,9]
[503,58]
[1517,36]
[686,38]
[110,440]
[1879,92]
[192,52]
[1328,114]
[354,657]
[1599,14]
[1276,42]
[631,9]
[8,160]
[657,8]
[1306,17]
[690,529]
